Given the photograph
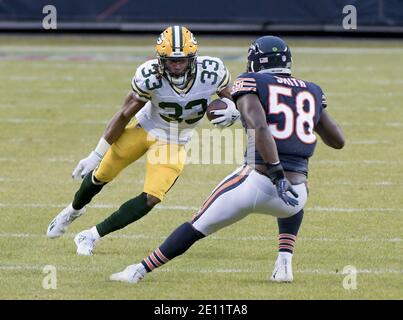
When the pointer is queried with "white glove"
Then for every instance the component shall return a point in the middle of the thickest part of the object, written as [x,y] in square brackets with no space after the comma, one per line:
[86,165]
[228,115]
[92,161]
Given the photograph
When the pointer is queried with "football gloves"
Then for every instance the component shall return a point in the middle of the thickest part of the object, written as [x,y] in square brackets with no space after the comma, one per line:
[228,115]
[276,174]
[86,165]
[92,161]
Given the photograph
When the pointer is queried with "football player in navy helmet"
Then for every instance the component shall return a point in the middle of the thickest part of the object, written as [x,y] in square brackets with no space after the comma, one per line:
[281,114]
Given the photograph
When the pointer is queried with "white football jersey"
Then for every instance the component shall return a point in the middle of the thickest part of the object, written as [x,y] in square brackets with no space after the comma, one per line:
[171,114]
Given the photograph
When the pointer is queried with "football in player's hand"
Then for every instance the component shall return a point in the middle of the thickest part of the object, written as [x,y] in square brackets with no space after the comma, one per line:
[216,104]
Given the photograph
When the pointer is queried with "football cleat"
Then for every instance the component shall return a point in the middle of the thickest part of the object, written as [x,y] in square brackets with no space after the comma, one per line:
[132,274]
[282,270]
[59,224]
[85,243]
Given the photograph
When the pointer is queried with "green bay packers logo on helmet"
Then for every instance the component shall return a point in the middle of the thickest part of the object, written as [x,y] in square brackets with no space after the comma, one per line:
[177,46]
[160,39]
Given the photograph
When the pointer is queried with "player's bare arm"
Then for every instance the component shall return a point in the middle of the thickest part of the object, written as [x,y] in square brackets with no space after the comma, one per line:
[225,93]
[329,131]
[113,131]
[117,124]
[252,112]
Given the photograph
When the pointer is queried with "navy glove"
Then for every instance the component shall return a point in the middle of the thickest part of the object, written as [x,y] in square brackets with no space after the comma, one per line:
[276,174]
[283,186]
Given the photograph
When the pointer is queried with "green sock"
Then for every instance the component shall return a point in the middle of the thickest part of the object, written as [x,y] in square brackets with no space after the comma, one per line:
[128,212]
[86,192]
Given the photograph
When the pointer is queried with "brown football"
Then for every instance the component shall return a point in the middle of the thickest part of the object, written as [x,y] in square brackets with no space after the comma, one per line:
[216,104]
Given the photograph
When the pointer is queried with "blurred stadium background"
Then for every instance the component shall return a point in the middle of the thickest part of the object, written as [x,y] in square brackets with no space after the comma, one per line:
[374,16]
[58,89]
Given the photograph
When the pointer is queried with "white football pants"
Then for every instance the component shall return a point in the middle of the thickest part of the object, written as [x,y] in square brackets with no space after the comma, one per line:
[243,192]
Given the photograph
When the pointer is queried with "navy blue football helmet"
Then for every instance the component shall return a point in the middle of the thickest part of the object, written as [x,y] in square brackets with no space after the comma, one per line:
[270,54]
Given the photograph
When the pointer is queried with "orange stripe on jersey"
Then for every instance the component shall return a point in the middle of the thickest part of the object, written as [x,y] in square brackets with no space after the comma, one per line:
[244,89]
[245,171]
[244,85]
[246,79]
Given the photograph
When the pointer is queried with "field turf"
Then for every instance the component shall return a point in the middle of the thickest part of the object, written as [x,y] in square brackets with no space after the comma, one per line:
[56,96]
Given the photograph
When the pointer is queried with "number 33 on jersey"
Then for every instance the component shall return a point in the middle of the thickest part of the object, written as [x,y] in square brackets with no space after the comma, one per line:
[170,106]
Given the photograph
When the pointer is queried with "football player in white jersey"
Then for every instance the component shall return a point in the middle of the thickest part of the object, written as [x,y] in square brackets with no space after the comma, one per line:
[273,179]
[168,100]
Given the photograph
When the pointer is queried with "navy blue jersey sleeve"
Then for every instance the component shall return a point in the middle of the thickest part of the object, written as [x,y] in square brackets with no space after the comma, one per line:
[321,97]
[244,84]
[324,100]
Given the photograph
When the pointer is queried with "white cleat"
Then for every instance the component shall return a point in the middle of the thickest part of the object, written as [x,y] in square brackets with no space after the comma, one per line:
[59,224]
[132,274]
[85,243]
[282,270]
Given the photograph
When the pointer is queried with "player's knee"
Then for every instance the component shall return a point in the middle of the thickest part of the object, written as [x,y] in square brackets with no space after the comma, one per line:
[103,176]
[152,200]
[95,180]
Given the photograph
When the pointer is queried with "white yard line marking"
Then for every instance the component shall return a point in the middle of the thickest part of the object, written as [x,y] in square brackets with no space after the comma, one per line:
[358,162]
[38,267]
[355,183]
[96,206]
[360,95]
[46,79]
[331,209]
[313,161]
[191,208]
[395,124]
[210,183]
[368,142]
[52,159]
[51,121]
[213,237]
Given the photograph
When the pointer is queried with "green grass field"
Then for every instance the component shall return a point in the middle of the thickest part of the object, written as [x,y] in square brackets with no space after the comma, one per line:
[56,95]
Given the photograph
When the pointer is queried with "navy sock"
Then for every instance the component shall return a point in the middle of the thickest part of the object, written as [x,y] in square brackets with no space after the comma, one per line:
[288,230]
[177,243]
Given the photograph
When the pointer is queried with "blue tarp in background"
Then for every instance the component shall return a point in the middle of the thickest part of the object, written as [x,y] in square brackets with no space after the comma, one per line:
[264,12]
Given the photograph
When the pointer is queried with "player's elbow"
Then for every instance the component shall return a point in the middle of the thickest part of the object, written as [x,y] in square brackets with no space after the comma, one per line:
[260,127]
[333,137]
[261,133]
[340,140]
[338,143]
[123,116]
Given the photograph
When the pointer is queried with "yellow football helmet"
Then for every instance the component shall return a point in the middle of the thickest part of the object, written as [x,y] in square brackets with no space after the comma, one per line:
[177,43]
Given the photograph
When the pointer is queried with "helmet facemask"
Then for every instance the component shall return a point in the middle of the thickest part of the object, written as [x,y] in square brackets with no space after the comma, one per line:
[178,78]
